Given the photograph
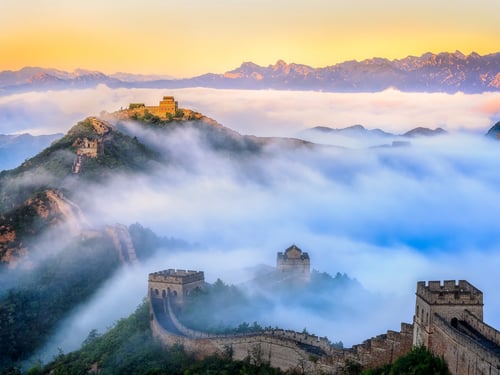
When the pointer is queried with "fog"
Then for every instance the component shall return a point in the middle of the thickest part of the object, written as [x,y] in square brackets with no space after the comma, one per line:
[387,217]
[260,112]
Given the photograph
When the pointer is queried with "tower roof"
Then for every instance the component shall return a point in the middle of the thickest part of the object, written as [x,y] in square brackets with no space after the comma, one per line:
[293,252]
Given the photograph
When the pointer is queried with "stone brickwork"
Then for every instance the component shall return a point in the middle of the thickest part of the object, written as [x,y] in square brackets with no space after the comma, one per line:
[288,350]
[168,106]
[175,283]
[448,300]
[384,349]
[91,148]
[100,127]
[293,260]
[449,322]
[123,243]
[463,354]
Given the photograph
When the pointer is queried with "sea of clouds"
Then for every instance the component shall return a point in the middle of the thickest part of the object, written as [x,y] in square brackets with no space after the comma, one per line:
[385,216]
[259,112]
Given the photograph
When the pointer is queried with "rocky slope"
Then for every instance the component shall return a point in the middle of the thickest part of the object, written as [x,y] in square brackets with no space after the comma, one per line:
[19,228]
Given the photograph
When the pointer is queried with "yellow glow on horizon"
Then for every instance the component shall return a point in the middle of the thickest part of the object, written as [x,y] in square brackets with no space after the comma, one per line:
[195,36]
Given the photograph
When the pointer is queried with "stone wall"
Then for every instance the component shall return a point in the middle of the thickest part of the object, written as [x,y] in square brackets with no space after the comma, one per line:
[287,349]
[463,355]
[487,331]
[100,127]
[448,300]
[259,347]
[122,242]
[385,349]
[91,148]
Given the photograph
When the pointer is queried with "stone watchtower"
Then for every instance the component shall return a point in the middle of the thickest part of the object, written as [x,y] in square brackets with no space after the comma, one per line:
[448,301]
[295,261]
[176,284]
[167,105]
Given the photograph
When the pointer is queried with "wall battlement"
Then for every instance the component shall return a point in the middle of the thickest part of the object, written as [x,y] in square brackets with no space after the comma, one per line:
[463,354]
[176,283]
[453,329]
[484,329]
[449,292]
[286,349]
[449,322]
[173,276]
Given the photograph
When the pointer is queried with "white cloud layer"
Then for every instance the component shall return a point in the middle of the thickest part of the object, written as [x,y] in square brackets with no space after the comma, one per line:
[265,113]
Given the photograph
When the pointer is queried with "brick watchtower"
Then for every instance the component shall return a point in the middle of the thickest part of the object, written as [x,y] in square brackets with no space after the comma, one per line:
[295,262]
[176,284]
[448,301]
[167,105]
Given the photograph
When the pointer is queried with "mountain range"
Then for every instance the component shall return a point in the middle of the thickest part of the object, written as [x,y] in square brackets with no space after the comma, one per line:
[443,72]
[360,131]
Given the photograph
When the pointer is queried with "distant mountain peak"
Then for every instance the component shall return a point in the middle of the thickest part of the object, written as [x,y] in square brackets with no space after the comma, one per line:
[424,132]
[459,55]
[280,64]
[356,130]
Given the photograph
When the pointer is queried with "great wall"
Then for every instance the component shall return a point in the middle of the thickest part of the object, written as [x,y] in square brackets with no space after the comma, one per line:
[448,316]
[90,148]
[448,321]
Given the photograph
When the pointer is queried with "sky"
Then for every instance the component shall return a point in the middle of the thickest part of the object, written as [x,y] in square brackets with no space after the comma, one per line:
[191,37]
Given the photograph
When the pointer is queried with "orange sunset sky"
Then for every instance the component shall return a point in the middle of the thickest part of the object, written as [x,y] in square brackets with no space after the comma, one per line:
[190,37]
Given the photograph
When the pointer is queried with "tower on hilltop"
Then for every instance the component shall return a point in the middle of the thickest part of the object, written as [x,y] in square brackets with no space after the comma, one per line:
[448,301]
[295,261]
[175,284]
[168,107]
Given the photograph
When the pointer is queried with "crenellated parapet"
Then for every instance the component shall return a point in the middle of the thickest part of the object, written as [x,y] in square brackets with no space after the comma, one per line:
[176,283]
[286,349]
[449,292]
[448,321]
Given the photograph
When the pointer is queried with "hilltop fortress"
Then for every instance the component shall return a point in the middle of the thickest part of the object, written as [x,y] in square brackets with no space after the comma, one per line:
[448,321]
[167,107]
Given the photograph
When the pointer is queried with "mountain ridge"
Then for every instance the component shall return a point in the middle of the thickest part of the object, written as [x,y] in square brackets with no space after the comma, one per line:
[430,72]
[360,131]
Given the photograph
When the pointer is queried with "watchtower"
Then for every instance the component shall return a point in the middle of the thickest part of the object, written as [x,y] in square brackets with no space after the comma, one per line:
[448,300]
[167,105]
[176,284]
[295,261]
